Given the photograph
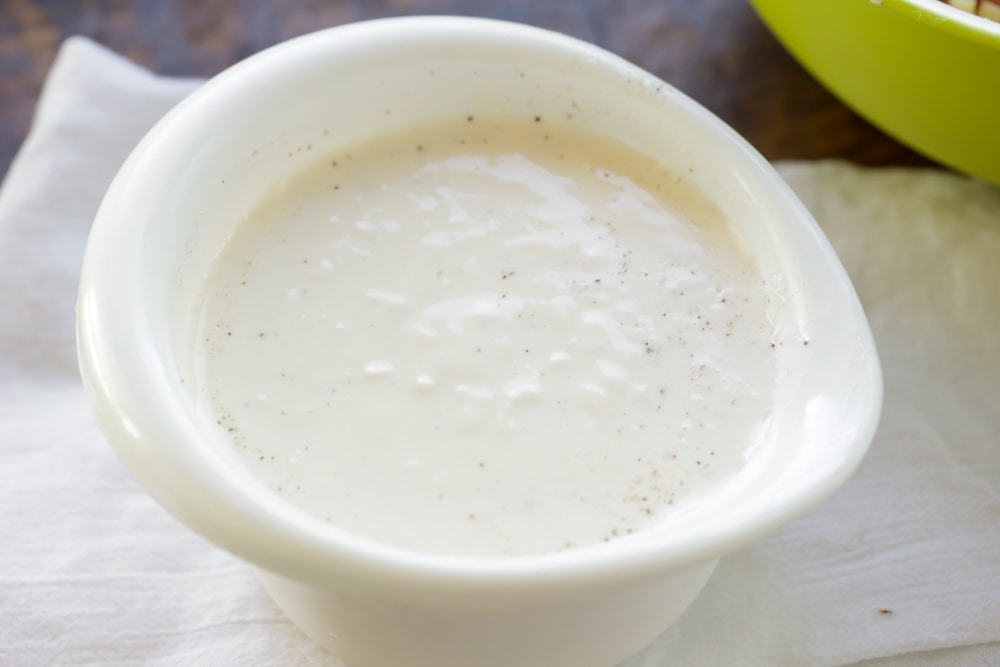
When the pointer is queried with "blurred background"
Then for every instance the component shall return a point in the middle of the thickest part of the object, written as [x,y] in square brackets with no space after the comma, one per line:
[716,51]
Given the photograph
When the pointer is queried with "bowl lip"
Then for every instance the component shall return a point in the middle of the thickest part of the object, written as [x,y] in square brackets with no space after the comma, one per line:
[942,15]
[319,555]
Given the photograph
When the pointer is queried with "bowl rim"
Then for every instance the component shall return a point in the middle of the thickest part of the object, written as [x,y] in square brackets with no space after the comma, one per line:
[942,15]
[320,555]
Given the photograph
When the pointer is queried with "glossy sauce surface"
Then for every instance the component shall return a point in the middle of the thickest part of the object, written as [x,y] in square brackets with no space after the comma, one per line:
[487,339]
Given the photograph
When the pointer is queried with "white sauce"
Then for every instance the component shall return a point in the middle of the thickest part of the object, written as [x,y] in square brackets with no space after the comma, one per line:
[484,339]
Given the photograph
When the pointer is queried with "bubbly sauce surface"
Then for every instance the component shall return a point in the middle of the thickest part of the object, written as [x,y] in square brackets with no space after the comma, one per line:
[484,339]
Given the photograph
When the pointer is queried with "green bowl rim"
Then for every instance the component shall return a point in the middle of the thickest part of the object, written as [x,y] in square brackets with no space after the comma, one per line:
[942,15]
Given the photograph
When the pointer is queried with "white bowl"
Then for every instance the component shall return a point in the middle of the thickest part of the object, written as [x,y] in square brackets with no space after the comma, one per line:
[202,169]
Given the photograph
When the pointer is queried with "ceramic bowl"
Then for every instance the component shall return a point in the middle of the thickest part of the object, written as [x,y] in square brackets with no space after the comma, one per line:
[921,70]
[205,166]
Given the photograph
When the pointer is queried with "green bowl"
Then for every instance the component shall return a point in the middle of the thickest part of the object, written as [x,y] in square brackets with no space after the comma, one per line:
[924,72]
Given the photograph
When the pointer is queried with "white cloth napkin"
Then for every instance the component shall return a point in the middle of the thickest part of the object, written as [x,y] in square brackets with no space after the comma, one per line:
[900,567]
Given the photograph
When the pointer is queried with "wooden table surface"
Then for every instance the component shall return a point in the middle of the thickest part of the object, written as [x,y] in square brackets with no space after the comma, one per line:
[717,51]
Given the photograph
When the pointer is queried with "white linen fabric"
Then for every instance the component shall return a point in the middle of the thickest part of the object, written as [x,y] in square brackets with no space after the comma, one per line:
[900,567]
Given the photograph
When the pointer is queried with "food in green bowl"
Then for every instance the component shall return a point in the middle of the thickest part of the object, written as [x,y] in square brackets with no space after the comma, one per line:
[923,71]
[989,9]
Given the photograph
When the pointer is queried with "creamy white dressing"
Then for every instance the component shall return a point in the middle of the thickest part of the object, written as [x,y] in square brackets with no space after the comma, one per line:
[487,339]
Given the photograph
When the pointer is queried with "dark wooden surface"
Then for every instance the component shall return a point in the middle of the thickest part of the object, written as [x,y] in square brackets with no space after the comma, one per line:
[717,51]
